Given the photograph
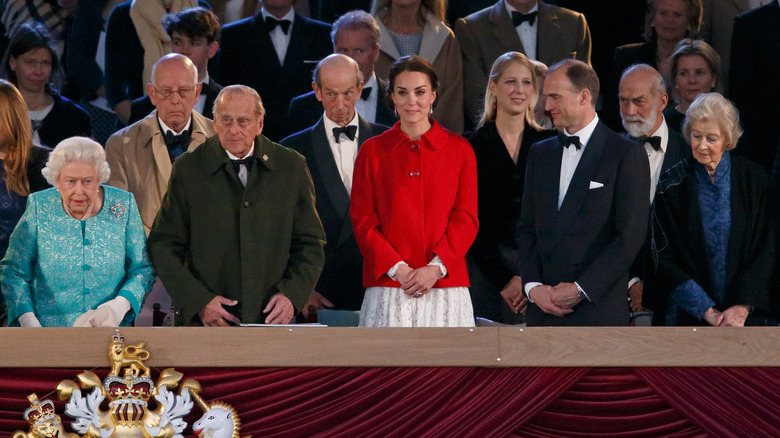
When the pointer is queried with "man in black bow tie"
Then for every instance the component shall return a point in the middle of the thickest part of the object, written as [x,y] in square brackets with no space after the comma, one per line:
[273,52]
[236,249]
[141,155]
[585,209]
[542,32]
[330,148]
[356,35]
[643,98]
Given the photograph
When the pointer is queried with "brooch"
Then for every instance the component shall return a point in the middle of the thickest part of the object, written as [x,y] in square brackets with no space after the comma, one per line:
[118,210]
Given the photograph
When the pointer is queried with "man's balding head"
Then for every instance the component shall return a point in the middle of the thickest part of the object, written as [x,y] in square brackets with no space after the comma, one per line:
[338,84]
[174,89]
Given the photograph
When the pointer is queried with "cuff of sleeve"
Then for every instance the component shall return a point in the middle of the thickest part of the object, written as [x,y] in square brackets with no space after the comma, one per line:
[633,281]
[438,263]
[528,287]
[583,294]
[391,273]
[132,302]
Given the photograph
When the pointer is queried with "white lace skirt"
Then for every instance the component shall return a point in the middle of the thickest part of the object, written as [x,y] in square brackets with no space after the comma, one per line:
[391,307]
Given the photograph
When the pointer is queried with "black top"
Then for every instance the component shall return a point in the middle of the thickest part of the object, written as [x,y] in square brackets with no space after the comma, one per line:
[674,119]
[66,119]
[500,193]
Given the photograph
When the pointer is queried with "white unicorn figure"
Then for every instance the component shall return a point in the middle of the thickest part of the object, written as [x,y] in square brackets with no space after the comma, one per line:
[217,422]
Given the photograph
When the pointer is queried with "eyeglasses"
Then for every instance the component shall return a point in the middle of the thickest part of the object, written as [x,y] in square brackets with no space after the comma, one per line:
[166,93]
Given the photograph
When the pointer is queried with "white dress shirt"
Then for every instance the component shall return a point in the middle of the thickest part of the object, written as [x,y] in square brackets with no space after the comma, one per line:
[344,151]
[281,40]
[166,128]
[367,108]
[527,32]
[571,157]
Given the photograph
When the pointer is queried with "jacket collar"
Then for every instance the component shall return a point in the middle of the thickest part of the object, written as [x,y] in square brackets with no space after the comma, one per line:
[215,157]
[434,139]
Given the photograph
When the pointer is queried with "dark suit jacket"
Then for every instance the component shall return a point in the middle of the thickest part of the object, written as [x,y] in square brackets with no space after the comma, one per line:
[341,280]
[677,149]
[753,83]
[489,33]
[500,188]
[214,237]
[597,232]
[142,106]
[305,110]
[682,251]
[623,57]
[247,56]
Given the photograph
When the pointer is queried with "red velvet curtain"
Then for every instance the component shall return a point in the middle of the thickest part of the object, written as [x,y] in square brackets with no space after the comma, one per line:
[465,402]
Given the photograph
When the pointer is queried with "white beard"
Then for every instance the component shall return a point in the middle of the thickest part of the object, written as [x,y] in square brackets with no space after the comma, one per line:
[644,127]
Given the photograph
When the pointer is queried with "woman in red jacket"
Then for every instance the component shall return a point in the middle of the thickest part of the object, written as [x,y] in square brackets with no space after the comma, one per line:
[414,210]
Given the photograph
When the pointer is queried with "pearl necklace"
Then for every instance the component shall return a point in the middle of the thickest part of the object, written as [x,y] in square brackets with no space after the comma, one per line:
[87,214]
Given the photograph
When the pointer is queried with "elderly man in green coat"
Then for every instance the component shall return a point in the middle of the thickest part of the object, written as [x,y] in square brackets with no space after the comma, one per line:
[237,239]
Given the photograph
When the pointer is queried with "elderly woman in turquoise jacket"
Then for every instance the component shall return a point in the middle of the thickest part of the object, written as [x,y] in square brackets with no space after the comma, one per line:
[78,256]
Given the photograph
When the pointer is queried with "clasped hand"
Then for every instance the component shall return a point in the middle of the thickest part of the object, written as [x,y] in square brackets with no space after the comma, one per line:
[734,316]
[559,300]
[420,280]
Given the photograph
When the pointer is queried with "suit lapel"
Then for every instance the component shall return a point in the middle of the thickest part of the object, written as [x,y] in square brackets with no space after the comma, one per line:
[162,159]
[549,28]
[329,172]
[580,183]
[296,50]
[503,29]
[262,45]
[384,115]
[212,90]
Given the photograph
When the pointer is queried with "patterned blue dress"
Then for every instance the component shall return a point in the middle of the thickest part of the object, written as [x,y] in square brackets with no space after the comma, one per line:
[59,267]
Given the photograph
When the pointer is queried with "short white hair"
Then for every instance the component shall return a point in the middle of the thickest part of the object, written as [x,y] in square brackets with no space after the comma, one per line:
[72,149]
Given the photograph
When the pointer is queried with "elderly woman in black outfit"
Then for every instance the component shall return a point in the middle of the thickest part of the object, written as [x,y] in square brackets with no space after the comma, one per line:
[32,65]
[714,240]
[501,143]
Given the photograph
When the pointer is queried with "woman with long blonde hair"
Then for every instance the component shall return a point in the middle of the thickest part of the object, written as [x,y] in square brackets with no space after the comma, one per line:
[501,143]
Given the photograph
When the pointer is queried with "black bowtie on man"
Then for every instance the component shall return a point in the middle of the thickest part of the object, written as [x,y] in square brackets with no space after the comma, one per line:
[519,18]
[642,101]
[272,22]
[330,148]
[569,140]
[584,213]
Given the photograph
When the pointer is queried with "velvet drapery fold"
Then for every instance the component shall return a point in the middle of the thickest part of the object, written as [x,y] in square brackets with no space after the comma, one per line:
[463,402]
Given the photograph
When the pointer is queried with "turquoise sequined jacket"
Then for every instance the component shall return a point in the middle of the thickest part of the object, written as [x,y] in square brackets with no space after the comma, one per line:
[58,267]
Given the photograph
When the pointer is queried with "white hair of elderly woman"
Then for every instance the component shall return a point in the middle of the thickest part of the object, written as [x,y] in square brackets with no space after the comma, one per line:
[72,149]
[716,108]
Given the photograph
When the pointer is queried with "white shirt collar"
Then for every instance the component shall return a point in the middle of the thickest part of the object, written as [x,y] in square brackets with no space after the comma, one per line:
[371,82]
[585,133]
[233,157]
[290,15]
[510,9]
[166,128]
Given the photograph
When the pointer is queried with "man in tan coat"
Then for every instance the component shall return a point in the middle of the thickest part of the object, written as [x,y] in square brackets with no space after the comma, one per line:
[141,155]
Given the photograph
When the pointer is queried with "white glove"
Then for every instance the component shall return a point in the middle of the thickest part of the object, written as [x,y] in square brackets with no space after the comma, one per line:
[108,314]
[83,320]
[28,319]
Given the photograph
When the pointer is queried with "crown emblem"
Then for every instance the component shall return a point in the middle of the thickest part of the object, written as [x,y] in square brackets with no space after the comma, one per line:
[38,411]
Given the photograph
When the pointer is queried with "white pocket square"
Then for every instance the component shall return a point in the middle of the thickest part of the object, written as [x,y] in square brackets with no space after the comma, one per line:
[595,185]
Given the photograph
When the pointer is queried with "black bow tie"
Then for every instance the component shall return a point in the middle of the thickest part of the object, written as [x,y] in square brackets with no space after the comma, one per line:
[365,93]
[246,161]
[518,18]
[569,140]
[655,141]
[177,144]
[271,23]
[349,131]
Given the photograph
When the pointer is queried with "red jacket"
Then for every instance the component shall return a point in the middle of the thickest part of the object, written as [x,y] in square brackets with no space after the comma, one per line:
[413,200]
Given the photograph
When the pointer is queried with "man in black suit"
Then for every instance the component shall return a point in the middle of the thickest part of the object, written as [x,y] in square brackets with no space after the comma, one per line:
[585,209]
[195,34]
[643,98]
[273,52]
[330,148]
[356,35]
[753,84]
